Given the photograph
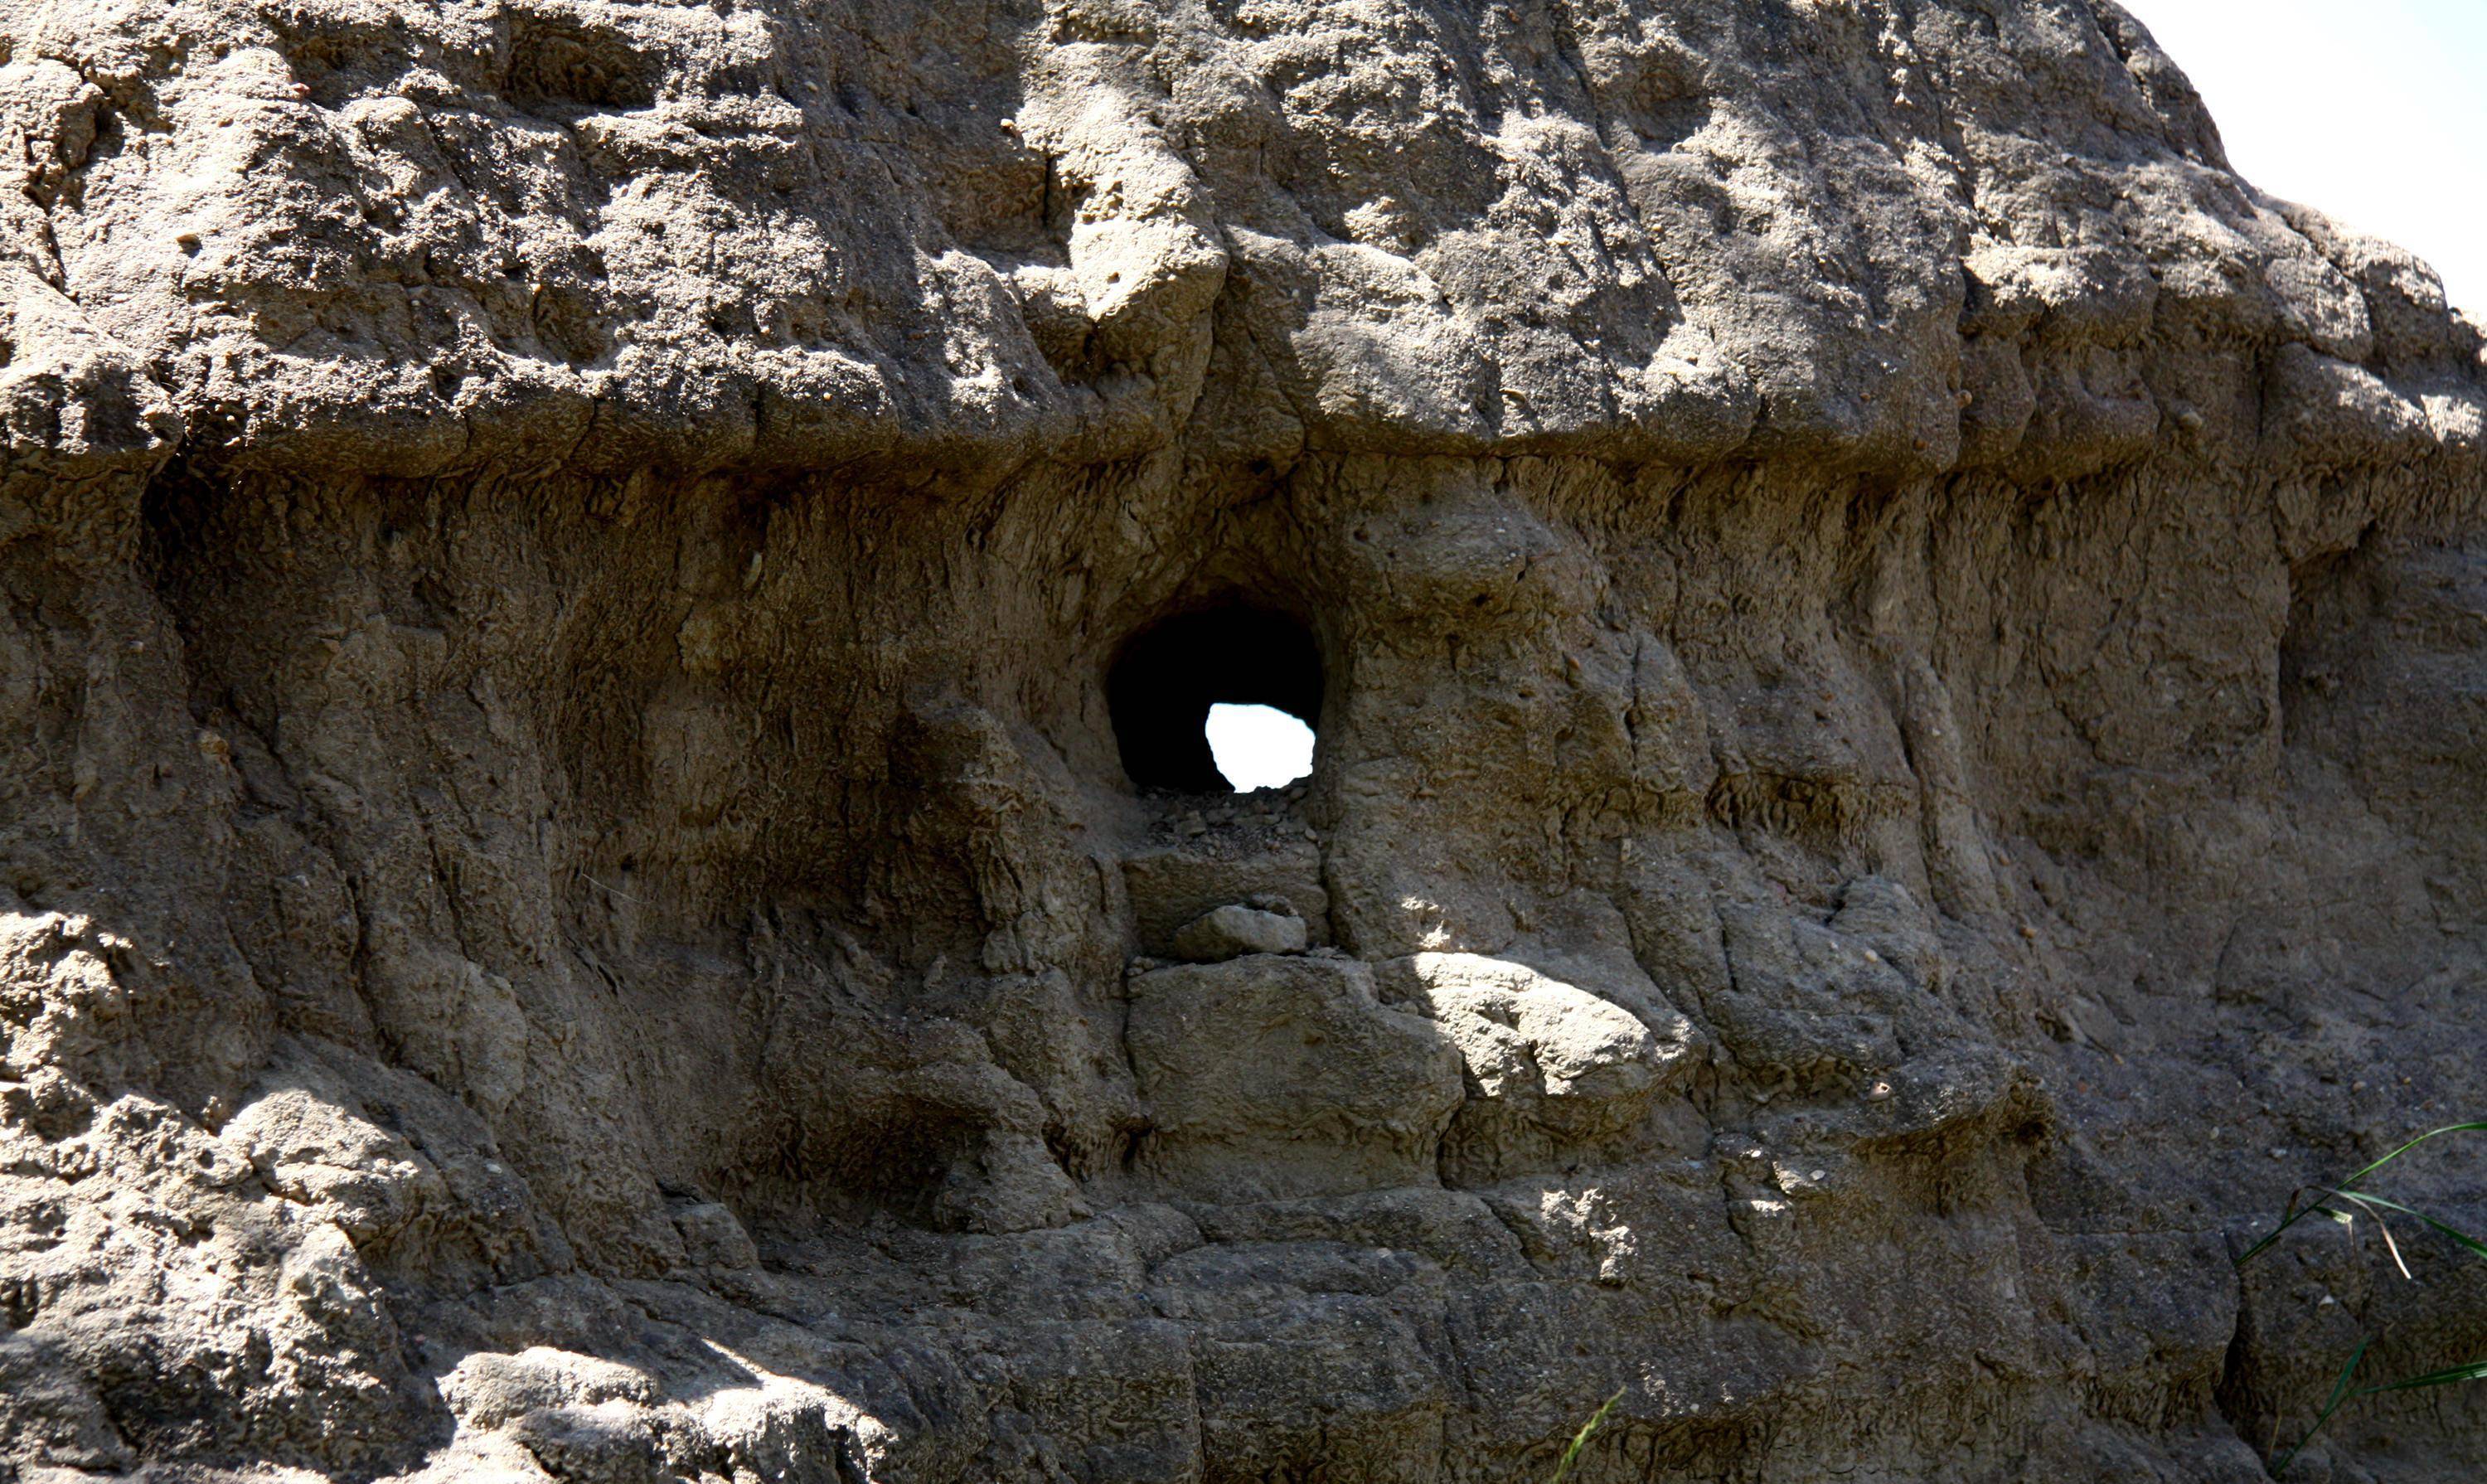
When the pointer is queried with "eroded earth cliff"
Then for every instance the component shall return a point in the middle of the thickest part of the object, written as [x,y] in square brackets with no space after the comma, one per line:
[605,605]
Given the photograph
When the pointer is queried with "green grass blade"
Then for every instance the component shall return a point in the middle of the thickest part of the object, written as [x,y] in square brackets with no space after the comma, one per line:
[2290,1218]
[2345,1193]
[2450,1127]
[2340,1393]
[1580,1439]
[2295,1212]
[2385,1227]
[2341,1387]
[2477,1248]
[2450,1376]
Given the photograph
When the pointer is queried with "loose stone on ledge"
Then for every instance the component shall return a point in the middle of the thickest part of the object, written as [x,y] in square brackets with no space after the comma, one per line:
[1232,931]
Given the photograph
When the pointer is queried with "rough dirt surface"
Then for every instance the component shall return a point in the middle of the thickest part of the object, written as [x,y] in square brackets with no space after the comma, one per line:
[1902,705]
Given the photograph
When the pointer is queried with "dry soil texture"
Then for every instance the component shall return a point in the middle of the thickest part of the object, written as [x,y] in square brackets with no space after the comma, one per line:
[1901,668]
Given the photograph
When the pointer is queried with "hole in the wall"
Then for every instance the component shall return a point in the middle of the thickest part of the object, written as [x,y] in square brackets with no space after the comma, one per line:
[1164,682]
[1258,746]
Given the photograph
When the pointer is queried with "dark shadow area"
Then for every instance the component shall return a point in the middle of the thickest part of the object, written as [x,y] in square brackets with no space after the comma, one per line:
[1168,675]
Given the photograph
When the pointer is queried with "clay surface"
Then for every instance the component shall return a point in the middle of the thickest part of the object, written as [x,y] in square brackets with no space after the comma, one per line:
[1900,666]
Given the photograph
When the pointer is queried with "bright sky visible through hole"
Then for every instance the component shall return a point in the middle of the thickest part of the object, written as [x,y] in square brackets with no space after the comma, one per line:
[1259,746]
[2373,112]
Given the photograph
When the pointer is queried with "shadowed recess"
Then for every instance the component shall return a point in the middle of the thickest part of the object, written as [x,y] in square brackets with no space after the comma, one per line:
[1168,676]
